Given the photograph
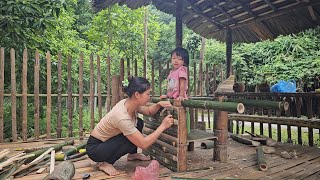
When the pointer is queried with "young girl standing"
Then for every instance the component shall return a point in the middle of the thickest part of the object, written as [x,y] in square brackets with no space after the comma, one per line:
[178,77]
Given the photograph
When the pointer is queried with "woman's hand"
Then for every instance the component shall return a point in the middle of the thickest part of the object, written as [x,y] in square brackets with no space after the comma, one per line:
[167,121]
[165,104]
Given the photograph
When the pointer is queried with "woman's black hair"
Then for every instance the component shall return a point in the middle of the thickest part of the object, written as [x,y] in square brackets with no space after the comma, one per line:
[136,84]
[182,52]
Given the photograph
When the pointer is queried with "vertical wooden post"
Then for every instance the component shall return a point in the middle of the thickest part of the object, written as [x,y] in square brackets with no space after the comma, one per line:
[310,115]
[221,131]
[145,42]
[214,78]
[69,69]
[121,78]
[152,76]
[135,67]
[24,96]
[13,96]
[179,11]
[36,96]
[288,113]
[160,77]
[182,137]
[80,96]
[229,51]
[48,114]
[1,94]
[221,73]
[59,117]
[108,84]
[128,67]
[99,87]
[91,93]
[115,90]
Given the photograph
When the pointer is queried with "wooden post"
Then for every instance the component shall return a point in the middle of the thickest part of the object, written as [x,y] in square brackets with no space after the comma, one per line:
[135,67]
[80,96]
[128,67]
[115,90]
[182,138]
[152,76]
[108,85]
[36,96]
[179,11]
[221,131]
[310,115]
[145,42]
[13,96]
[214,87]
[48,114]
[91,93]
[69,69]
[59,116]
[121,78]
[160,78]
[99,87]
[229,51]
[24,96]
[1,94]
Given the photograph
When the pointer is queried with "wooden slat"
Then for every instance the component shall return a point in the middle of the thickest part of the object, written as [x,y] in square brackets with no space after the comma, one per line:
[24,96]
[310,115]
[108,84]
[80,95]
[48,115]
[195,94]
[121,77]
[182,140]
[128,68]
[36,96]
[152,77]
[99,87]
[13,97]
[1,94]
[160,78]
[135,67]
[59,109]
[91,93]
[70,125]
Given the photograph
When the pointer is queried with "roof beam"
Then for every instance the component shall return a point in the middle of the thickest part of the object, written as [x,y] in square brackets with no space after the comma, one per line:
[271,5]
[223,11]
[246,8]
[312,13]
[198,11]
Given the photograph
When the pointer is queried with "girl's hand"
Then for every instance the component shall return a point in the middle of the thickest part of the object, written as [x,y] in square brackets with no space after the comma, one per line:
[163,97]
[167,121]
[165,104]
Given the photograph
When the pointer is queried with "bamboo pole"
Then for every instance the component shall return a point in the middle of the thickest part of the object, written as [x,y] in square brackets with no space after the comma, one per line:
[81,96]
[121,94]
[224,106]
[108,84]
[152,77]
[91,93]
[48,114]
[24,96]
[70,125]
[59,109]
[1,94]
[262,164]
[36,96]
[99,88]
[160,77]
[13,97]
[281,105]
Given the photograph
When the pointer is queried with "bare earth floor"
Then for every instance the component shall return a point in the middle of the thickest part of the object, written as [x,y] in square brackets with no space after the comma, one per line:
[241,164]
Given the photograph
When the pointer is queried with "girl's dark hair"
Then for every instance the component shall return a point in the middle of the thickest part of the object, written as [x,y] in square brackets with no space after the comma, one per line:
[136,84]
[182,52]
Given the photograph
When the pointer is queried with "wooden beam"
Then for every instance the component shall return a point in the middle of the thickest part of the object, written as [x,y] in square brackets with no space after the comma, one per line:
[271,5]
[312,13]
[223,11]
[228,51]
[179,11]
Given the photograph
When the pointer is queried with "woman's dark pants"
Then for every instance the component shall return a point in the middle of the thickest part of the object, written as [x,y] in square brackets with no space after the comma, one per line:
[112,149]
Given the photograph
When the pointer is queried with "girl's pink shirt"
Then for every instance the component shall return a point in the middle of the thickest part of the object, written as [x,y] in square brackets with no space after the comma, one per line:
[173,88]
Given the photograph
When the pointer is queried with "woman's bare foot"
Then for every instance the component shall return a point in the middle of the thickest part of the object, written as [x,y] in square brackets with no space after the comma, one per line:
[108,168]
[136,156]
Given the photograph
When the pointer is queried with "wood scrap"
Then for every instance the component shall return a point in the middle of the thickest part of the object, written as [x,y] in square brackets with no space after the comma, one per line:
[262,164]
[52,161]
[243,140]
[265,140]
[4,153]
[268,150]
[63,171]
[207,145]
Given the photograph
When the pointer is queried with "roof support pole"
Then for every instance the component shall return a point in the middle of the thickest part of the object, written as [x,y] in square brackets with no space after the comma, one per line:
[229,51]
[179,10]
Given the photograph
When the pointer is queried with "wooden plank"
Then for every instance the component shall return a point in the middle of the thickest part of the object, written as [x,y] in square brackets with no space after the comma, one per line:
[13,97]
[108,84]
[81,96]
[121,93]
[99,87]
[152,77]
[136,67]
[48,114]
[24,96]
[182,139]
[69,69]
[59,108]
[160,78]
[1,94]
[36,96]
[91,93]
[198,135]
[128,68]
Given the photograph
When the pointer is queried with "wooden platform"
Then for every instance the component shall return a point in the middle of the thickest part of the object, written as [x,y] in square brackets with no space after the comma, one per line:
[241,164]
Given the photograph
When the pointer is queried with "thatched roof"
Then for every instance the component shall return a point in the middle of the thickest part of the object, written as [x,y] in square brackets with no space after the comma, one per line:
[250,20]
